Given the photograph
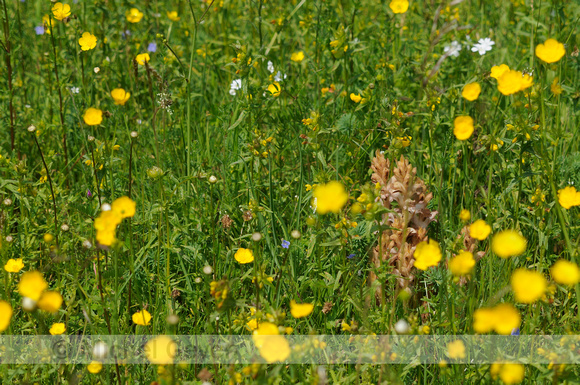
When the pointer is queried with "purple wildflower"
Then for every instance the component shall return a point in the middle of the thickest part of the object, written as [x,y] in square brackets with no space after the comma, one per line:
[285,243]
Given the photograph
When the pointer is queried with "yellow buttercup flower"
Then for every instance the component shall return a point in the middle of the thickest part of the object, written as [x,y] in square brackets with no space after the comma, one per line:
[142,318]
[14,265]
[462,263]
[93,116]
[508,243]
[528,285]
[244,256]
[297,56]
[60,11]
[88,41]
[465,215]
[275,349]
[399,6]
[173,16]
[565,273]
[57,329]
[497,71]
[134,15]
[31,285]
[120,96]
[355,98]
[463,127]
[124,207]
[142,58]
[5,315]
[300,310]
[50,301]
[551,51]
[502,319]
[511,373]
[271,345]
[456,349]
[94,367]
[161,350]
[479,230]
[511,82]
[568,197]
[471,91]
[275,89]
[330,197]
[427,254]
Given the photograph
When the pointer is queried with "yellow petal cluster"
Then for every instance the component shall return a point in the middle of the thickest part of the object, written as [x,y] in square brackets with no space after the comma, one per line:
[427,254]
[508,243]
[568,197]
[502,319]
[528,285]
[330,197]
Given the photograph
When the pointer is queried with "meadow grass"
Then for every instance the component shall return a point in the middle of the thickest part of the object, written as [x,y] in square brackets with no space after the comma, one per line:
[240,116]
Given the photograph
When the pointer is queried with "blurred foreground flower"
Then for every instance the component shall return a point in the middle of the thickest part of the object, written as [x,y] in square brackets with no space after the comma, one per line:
[330,197]
[161,350]
[508,243]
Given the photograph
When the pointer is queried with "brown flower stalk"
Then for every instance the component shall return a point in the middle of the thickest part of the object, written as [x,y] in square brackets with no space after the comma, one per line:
[406,197]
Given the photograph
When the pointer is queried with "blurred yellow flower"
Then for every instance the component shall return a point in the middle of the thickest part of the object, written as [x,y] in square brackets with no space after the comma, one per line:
[5,315]
[120,96]
[124,207]
[465,215]
[479,230]
[508,243]
[565,273]
[330,197]
[50,301]
[355,98]
[142,318]
[511,373]
[31,285]
[399,6]
[57,329]
[427,254]
[551,51]
[133,15]
[456,349]
[569,197]
[297,56]
[462,263]
[244,256]
[161,350]
[95,367]
[173,16]
[471,91]
[14,265]
[502,319]
[555,87]
[275,89]
[93,116]
[463,127]
[497,71]
[143,58]
[275,348]
[300,310]
[61,11]
[528,285]
[88,41]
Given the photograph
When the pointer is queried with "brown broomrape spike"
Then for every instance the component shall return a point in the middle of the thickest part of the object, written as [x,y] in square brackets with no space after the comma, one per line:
[407,198]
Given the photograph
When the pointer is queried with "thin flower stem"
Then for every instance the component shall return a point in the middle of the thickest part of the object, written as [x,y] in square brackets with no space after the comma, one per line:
[51,188]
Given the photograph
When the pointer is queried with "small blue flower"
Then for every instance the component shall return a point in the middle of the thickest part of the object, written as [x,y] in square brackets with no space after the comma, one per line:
[285,243]
[39,30]
[152,47]
[516,332]
[351,256]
